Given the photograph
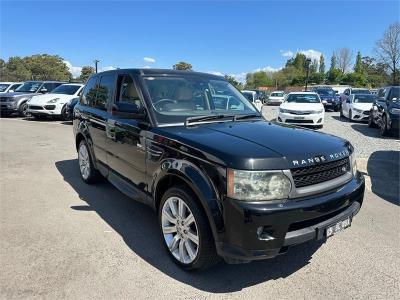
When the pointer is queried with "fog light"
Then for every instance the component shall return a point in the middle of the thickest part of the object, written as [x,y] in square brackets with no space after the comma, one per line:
[263,234]
[320,120]
[279,119]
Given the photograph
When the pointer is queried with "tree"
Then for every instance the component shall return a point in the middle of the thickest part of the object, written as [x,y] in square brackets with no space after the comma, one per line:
[322,64]
[333,62]
[375,72]
[16,70]
[182,66]
[47,67]
[388,50]
[358,65]
[344,59]
[314,66]
[85,73]
[234,82]
[355,79]
[334,76]
[257,79]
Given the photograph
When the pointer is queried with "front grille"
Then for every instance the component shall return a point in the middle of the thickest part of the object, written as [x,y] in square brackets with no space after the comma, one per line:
[299,121]
[367,112]
[35,107]
[5,99]
[50,107]
[300,112]
[316,174]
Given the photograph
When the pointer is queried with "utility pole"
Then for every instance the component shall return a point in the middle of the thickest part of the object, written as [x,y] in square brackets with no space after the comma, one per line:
[95,64]
[308,61]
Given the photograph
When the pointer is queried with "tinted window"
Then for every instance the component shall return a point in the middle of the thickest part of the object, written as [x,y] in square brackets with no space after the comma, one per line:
[395,94]
[303,98]
[325,92]
[49,86]
[361,92]
[381,93]
[66,89]
[364,98]
[105,92]
[89,93]
[277,95]
[15,86]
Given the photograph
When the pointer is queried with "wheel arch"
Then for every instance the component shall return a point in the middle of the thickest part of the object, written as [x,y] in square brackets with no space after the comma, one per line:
[198,183]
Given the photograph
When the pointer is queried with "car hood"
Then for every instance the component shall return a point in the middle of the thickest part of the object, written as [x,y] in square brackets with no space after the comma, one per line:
[256,145]
[362,106]
[301,106]
[43,99]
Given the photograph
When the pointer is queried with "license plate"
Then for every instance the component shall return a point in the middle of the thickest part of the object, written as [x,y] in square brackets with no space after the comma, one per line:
[299,118]
[338,227]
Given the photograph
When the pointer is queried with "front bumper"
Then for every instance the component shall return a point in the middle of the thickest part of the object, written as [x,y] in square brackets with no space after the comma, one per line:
[284,224]
[360,115]
[311,119]
[8,107]
[44,110]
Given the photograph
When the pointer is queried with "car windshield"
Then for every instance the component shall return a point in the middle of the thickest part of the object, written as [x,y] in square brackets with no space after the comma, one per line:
[395,94]
[29,87]
[326,92]
[66,89]
[177,98]
[4,86]
[364,98]
[276,94]
[360,91]
[303,98]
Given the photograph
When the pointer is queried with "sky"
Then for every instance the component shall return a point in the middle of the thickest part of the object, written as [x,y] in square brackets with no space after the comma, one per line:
[222,37]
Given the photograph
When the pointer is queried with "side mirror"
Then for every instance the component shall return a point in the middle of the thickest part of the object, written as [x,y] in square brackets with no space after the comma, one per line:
[10,91]
[43,90]
[127,111]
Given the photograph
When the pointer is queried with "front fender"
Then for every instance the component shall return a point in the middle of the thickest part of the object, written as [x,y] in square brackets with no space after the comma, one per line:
[199,182]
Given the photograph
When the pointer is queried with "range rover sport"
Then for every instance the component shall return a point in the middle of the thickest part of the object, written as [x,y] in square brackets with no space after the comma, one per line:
[224,181]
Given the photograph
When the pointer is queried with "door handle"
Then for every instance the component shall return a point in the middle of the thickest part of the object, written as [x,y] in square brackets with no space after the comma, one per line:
[110,130]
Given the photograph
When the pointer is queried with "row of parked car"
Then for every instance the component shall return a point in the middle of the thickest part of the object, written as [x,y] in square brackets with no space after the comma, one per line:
[379,108]
[39,98]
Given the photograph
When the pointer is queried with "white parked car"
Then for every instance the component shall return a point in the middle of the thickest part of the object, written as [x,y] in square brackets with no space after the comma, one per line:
[9,87]
[252,97]
[357,107]
[276,97]
[302,108]
[54,103]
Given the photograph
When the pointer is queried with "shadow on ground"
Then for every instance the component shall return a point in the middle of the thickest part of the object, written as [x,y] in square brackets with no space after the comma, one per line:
[383,167]
[137,225]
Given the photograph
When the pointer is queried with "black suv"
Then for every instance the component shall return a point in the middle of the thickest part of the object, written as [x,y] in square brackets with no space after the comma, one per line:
[16,102]
[385,112]
[223,181]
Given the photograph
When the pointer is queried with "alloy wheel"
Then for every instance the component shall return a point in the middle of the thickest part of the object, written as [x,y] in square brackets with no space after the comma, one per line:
[84,161]
[180,230]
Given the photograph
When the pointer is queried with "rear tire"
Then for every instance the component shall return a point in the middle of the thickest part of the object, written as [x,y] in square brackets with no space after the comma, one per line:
[88,172]
[190,245]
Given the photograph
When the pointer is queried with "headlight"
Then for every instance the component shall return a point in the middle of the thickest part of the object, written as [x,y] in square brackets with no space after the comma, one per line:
[53,100]
[320,111]
[395,111]
[282,110]
[258,185]
[353,161]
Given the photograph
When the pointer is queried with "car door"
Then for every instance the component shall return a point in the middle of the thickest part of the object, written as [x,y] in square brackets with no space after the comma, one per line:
[346,106]
[381,104]
[126,137]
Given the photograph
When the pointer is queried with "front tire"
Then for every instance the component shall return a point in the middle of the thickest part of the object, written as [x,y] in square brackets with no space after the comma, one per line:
[64,113]
[384,131]
[88,172]
[371,123]
[185,230]
[341,112]
[23,110]
[350,115]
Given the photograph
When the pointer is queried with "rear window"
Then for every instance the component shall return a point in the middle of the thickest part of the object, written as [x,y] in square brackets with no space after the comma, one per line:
[276,94]
[303,98]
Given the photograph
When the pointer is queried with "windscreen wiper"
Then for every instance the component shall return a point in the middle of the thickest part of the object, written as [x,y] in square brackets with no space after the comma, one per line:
[200,119]
[242,117]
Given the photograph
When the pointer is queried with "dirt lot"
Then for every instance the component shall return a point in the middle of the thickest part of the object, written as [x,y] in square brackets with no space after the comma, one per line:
[61,238]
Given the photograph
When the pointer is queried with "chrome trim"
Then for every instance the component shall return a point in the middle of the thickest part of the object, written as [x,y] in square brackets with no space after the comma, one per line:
[318,188]
[97,121]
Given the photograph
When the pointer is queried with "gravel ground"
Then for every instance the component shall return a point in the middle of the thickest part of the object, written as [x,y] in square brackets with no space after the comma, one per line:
[63,239]
[365,140]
